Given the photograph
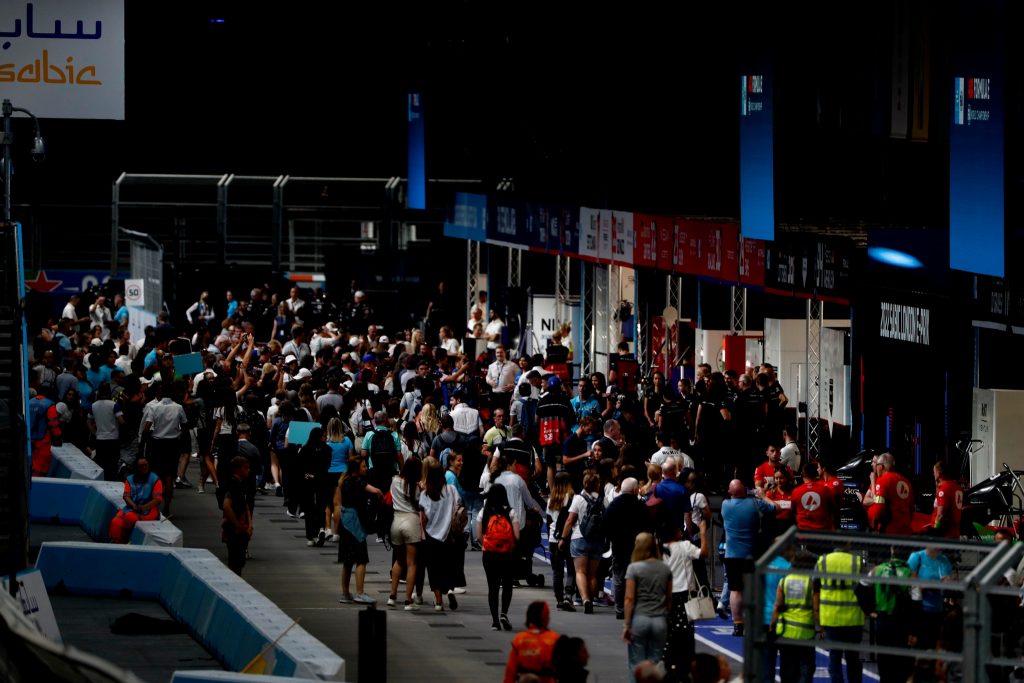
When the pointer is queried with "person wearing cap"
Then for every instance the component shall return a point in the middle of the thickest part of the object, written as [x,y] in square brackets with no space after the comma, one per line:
[555,418]
[326,338]
[359,311]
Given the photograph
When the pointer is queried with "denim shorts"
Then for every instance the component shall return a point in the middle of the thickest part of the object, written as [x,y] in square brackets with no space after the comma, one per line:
[581,547]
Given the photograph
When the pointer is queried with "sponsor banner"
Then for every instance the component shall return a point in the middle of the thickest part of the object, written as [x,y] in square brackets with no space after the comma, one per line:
[708,250]
[810,267]
[506,223]
[752,262]
[468,219]
[623,238]
[666,243]
[64,59]
[645,251]
[567,225]
[905,323]
[416,194]
[542,228]
[604,236]
[589,233]
[976,144]
[67,281]
[757,160]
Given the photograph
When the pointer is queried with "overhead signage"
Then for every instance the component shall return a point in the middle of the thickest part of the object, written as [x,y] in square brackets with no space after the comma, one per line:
[901,322]
[757,161]
[809,267]
[63,59]
[468,219]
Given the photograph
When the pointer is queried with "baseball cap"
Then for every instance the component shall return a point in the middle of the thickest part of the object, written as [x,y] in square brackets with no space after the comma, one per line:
[290,358]
[304,373]
[369,358]
[554,382]
[384,340]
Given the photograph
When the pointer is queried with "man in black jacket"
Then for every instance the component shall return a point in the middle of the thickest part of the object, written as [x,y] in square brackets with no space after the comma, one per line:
[555,417]
[625,518]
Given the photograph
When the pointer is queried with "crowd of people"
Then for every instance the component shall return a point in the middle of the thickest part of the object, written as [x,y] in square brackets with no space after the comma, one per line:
[404,436]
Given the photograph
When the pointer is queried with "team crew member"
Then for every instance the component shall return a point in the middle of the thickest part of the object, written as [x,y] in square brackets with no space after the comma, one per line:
[143,494]
[814,506]
[532,649]
[893,508]
[555,418]
[949,500]
[764,474]
[45,433]
[837,611]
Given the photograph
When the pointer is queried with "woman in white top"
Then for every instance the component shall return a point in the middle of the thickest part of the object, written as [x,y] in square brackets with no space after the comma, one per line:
[701,511]
[406,531]
[437,507]
[586,556]
[682,556]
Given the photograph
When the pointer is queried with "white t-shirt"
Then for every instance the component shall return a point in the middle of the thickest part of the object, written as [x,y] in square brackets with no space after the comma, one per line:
[439,512]
[466,419]
[699,505]
[105,414]
[790,455]
[492,328]
[226,427]
[450,346]
[579,505]
[69,312]
[680,561]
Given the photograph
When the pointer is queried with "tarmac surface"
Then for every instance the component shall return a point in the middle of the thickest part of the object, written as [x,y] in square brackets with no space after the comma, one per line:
[305,583]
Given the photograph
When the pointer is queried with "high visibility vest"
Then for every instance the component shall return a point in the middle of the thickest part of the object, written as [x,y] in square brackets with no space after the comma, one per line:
[838,602]
[797,620]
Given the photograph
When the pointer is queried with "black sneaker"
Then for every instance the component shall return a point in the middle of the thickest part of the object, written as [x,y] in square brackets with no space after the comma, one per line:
[588,607]
[453,603]
[567,606]
[505,623]
[737,630]
[321,538]
[495,627]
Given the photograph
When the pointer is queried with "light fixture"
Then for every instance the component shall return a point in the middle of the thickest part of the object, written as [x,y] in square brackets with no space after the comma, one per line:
[894,257]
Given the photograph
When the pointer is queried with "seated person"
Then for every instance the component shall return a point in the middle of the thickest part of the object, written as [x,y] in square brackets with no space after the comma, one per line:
[143,496]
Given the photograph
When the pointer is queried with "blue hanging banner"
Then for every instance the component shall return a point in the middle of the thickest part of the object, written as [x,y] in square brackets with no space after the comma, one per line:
[416,196]
[976,142]
[757,157]
[506,223]
[468,218]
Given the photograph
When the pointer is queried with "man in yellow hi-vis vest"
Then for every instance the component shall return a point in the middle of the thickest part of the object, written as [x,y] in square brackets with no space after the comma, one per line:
[793,617]
[839,614]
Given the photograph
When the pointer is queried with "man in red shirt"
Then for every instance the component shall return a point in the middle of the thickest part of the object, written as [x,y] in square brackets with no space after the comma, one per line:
[892,511]
[949,500]
[764,474]
[814,504]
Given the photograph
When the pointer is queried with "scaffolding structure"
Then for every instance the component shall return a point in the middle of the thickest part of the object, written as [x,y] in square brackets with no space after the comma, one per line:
[814,313]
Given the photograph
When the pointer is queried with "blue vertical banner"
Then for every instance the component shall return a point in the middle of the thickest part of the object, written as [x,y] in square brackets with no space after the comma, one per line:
[976,141]
[468,218]
[416,197]
[757,157]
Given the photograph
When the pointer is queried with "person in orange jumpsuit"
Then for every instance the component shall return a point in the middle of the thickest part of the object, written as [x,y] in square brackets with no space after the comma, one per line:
[143,495]
[532,649]
[45,433]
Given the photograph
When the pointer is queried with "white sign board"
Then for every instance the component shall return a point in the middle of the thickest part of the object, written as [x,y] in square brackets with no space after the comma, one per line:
[63,59]
[545,323]
[35,603]
[135,292]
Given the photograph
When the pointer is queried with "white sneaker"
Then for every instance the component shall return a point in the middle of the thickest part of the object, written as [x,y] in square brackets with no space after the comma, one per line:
[411,607]
[391,601]
[461,590]
[438,607]
[417,599]
[364,599]
[335,538]
[310,543]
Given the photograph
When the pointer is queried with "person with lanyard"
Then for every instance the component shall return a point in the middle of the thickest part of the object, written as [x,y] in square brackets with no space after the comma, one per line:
[838,613]
[501,377]
[532,649]
[497,434]
[143,495]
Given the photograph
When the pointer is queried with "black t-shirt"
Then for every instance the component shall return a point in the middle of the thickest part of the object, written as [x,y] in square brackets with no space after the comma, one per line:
[575,445]
[238,497]
[519,451]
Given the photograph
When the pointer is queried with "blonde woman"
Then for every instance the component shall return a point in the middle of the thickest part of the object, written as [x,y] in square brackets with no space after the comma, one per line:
[648,602]
[428,422]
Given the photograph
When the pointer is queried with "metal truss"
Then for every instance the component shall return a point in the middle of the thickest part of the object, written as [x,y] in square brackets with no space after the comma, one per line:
[739,310]
[814,315]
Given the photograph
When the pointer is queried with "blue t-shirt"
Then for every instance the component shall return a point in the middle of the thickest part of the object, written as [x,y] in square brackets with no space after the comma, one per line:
[742,522]
[450,478]
[935,570]
[122,315]
[771,585]
[676,498]
[585,407]
[340,450]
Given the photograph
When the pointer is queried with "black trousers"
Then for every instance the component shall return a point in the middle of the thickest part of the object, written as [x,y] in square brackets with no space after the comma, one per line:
[500,569]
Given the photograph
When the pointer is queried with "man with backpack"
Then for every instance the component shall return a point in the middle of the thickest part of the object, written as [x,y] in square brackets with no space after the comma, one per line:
[382,452]
[892,615]
[555,418]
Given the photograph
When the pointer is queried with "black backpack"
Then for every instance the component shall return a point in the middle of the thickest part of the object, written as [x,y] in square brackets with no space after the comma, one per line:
[592,524]
[383,454]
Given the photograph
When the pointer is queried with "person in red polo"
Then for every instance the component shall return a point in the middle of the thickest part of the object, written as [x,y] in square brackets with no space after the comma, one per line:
[892,511]
[814,504]
[949,500]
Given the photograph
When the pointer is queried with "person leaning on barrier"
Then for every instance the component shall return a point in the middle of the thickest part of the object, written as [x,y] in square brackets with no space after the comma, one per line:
[793,617]
[838,612]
